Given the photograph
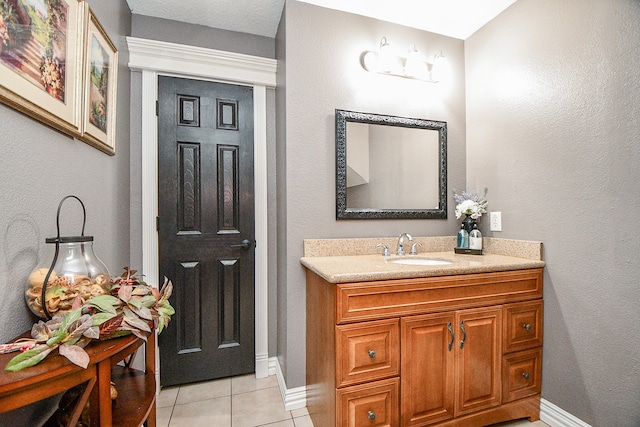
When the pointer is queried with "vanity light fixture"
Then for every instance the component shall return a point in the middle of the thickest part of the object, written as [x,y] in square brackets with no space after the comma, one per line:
[413,66]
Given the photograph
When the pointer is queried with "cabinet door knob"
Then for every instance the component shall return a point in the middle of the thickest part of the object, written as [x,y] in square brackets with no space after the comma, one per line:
[372,353]
[526,326]
[525,375]
[464,334]
[371,415]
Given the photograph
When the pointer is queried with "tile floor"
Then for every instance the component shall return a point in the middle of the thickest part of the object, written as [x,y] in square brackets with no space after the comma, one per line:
[240,402]
[230,402]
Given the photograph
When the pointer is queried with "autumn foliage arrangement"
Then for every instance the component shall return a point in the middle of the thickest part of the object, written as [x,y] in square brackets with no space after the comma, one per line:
[131,307]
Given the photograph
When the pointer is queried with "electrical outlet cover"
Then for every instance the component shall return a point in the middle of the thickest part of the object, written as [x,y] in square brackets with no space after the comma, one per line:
[496,221]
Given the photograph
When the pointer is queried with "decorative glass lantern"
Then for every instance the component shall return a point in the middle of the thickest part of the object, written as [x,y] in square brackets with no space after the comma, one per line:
[75,275]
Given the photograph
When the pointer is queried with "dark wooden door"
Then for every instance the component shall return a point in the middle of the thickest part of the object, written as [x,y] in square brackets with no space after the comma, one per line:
[206,228]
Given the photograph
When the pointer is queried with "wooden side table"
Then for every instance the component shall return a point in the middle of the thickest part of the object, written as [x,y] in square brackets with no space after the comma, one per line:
[135,405]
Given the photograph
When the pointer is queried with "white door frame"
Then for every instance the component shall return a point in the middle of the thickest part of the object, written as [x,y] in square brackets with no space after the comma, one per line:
[155,58]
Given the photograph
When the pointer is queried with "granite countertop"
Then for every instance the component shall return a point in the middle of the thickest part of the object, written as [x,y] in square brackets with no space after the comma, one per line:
[329,261]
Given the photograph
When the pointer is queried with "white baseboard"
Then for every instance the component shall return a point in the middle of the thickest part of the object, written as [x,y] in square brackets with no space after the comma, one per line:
[558,417]
[294,398]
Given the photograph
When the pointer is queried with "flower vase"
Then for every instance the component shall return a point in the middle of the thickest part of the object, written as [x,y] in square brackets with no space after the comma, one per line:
[468,223]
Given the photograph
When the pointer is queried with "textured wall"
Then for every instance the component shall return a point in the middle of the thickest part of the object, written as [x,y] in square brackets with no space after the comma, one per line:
[323,72]
[40,166]
[553,128]
[148,27]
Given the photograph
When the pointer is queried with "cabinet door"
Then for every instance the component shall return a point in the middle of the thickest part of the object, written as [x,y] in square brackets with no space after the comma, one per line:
[428,357]
[479,359]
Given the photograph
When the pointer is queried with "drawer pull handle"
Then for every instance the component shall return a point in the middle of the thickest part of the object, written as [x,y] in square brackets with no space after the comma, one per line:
[453,336]
[371,415]
[372,354]
[526,326]
[464,334]
[525,375]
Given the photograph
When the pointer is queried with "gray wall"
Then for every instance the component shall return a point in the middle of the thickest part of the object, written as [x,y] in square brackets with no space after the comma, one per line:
[40,166]
[166,30]
[322,49]
[553,128]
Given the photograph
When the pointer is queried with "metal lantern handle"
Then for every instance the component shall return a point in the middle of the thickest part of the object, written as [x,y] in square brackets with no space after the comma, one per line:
[43,300]
[84,214]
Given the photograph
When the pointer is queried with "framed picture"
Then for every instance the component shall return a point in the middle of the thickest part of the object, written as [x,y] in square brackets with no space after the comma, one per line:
[41,46]
[100,87]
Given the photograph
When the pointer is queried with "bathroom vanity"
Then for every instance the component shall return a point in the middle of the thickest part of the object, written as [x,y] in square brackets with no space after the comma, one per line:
[458,343]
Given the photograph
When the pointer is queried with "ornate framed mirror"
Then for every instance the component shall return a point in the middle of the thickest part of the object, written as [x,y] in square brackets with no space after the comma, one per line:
[390,167]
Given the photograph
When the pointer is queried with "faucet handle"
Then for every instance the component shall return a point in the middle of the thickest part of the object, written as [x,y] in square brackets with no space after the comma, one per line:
[414,248]
[386,249]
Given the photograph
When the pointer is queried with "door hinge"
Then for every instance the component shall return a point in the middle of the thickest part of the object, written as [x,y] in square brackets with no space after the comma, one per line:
[157,223]
[157,108]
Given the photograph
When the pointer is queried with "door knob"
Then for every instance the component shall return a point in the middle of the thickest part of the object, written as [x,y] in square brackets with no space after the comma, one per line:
[245,244]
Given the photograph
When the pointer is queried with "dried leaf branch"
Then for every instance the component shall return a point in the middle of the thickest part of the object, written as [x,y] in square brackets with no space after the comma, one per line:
[130,308]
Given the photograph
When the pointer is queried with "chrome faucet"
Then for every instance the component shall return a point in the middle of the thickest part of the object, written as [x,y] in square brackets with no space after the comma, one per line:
[400,250]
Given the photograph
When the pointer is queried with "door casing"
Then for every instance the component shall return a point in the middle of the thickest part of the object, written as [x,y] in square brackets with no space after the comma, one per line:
[154,58]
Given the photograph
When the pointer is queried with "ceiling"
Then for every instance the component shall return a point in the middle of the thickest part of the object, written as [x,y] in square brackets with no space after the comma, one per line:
[453,18]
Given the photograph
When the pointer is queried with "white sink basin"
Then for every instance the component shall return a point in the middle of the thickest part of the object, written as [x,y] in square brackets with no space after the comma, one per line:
[419,261]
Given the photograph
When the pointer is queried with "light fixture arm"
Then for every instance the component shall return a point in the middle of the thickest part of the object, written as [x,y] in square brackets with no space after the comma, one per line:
[411,67]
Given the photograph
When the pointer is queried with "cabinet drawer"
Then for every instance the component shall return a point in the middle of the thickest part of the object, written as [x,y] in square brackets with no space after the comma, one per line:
[367,351]
[403,297]
[371,405]
[522,326]
[522,374]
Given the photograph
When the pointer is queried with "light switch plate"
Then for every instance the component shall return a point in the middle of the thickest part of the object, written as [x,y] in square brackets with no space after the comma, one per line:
[496,221]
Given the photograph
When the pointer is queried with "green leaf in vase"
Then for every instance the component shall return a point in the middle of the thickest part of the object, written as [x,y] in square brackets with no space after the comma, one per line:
[56,291]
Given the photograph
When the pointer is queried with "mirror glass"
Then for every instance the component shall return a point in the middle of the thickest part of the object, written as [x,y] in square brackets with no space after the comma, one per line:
[390,167]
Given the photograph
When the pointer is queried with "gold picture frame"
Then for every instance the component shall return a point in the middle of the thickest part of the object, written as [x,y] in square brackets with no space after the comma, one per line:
[41,51]
[100,86]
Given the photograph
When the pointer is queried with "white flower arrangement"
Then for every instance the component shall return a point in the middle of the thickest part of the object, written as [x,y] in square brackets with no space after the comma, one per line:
[469,203]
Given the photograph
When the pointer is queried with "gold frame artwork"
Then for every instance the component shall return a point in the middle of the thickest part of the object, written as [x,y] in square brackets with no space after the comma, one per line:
[41,51]
[100,87]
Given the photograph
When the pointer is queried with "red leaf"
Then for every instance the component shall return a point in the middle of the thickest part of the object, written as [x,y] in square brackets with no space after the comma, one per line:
[110,326]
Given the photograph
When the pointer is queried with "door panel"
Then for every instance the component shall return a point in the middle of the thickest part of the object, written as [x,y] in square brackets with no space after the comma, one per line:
[206,211]
[428,357]
[479,361]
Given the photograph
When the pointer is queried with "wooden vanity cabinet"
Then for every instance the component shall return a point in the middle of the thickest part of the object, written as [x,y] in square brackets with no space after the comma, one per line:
[449,351]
